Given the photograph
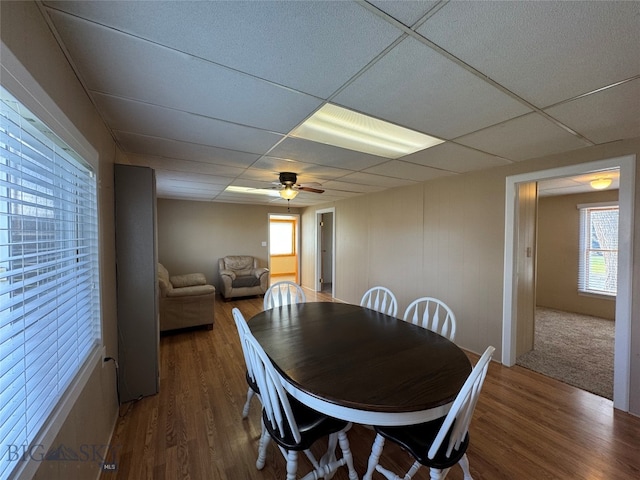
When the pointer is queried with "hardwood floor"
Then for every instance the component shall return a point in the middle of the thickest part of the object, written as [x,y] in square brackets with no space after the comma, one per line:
[526,425]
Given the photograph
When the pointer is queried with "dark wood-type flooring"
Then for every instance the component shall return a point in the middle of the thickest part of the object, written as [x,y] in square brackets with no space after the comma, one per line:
[526,426]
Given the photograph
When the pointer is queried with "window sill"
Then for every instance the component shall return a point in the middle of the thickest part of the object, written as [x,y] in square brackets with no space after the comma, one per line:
[602,296]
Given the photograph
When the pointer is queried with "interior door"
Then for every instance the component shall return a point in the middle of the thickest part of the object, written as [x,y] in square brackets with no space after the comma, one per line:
[527,203]
[326,251]
[325,255]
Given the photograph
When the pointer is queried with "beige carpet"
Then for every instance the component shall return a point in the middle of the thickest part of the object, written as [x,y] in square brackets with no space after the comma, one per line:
[575,349]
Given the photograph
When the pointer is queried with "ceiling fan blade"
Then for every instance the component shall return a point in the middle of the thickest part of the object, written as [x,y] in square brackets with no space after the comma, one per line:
[309,189]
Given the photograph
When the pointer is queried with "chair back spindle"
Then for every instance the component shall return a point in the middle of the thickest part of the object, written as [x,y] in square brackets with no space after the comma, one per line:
[432,314]
[380,299]
[283,293]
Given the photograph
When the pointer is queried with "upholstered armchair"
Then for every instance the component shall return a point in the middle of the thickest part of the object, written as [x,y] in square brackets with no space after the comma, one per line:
[240,276]
[185,300]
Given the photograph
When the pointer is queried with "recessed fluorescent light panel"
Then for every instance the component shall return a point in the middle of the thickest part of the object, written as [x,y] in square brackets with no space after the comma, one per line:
[344,128]
[254,191]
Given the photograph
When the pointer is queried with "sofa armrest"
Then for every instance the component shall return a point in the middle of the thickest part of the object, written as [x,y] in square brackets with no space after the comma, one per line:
[263,275]
[188,280]
[194,291]
[258,272]
[165,287]
[228,273]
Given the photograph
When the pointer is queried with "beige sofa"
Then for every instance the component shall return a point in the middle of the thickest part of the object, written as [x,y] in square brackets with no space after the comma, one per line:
[240,276]
[185,300]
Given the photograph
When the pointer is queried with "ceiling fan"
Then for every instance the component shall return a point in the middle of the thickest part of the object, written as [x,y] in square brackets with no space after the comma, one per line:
[289,188]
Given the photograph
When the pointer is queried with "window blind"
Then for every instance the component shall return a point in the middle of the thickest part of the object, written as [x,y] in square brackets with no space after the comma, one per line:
[49,289]
[598,264]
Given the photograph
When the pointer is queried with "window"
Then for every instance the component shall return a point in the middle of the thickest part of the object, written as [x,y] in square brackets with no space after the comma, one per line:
[49,290]
[282,236]
[598,266]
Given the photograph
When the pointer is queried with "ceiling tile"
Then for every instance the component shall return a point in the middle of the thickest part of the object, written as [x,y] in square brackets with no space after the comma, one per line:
[290,43]
[377,180]
[543,51]
[522,138]
[606,116]
[170,164]
[405,11]
[145,119]
[455,158]
[129,67]
[139,144]
[351,187]
[306,171]
[409,171]
[186,177]
[577,183]
[416,87]
[313,152]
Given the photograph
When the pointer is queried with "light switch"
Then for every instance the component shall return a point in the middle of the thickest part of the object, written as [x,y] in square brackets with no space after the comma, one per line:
[264,244]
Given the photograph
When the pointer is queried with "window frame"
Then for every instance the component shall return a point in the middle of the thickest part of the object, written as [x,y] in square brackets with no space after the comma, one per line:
[293,223]
[584,250]
[55,126]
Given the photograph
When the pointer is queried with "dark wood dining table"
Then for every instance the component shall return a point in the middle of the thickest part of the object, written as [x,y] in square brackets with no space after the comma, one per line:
[361,365]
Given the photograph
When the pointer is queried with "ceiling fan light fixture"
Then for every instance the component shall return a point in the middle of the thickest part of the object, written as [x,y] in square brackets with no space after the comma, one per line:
[340,127]
[600,183]
[288,192]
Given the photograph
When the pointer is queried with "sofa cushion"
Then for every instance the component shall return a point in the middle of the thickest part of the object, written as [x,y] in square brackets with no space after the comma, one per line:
[241,264]
[188,280]
[245,281]
[192,291]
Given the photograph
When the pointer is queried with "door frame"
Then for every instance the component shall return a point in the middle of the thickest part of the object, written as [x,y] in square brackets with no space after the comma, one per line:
[297,234]
[318,246]
[622,357]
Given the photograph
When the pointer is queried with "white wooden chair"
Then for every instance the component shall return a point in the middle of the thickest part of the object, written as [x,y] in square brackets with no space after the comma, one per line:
[292,425]
[283,293]
[243,328]
[433,314]
[441,443]
[380,299]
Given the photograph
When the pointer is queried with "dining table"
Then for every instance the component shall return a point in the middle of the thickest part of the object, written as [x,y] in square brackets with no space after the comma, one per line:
[361,365]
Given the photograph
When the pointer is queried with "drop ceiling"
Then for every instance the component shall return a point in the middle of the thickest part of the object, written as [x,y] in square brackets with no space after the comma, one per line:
[207,93]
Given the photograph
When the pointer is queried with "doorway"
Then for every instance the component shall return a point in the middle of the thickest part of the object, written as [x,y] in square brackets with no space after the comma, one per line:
[622,363]
[325,251]
[568,323]
[284,247]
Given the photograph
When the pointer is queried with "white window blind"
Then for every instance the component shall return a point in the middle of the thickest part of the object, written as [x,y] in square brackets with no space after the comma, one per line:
[598,264]
[49,295]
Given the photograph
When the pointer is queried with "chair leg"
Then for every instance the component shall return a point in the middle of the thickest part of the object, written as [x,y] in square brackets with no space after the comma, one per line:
[374,458]
[245,409]
[262,447]
[346,454]
[392,476]
[464,464]
[292,464]
[437,474]
[412,471]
